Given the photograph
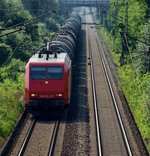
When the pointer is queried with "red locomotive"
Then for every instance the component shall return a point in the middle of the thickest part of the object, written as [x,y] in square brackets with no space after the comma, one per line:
[48,72]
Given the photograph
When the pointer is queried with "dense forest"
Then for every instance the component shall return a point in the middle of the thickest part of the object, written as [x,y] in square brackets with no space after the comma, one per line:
[126,27]
[25,26]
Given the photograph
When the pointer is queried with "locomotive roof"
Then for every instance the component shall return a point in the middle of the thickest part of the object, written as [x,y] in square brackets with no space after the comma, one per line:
[62,57]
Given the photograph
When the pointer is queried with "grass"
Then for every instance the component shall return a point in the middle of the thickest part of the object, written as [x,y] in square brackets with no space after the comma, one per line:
[10,105]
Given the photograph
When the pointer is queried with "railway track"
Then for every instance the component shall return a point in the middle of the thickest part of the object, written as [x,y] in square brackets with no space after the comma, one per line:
[26,143]
[26,146]
[53,139]
[101,144]
[27,137]
[101,55]
[98,133]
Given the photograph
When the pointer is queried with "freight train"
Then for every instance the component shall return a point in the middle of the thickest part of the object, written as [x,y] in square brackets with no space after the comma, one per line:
[48,72]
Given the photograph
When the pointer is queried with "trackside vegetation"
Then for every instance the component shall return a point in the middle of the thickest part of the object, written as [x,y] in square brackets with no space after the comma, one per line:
[134,71]
[11,103]
[24,28]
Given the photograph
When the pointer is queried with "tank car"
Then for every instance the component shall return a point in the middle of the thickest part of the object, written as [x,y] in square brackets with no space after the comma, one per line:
[48,72]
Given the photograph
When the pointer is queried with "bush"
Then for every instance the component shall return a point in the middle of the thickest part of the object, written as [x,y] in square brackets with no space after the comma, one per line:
[136,89]
[10,107]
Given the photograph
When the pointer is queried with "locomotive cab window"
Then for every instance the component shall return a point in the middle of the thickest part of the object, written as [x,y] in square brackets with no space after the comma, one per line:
[55,72]
[38,73]
[52,73]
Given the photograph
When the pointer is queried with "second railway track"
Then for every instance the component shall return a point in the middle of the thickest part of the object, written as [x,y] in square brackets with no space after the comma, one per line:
[113,97]
[111,134]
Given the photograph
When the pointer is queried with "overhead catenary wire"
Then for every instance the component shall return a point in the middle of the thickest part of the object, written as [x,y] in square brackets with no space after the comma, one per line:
[22,23]
[11,54]
[119,18]
[9,10]
[138,40]
[14,69]
[128,26]
[20,29]
[18,45]
[128,35]
[131,57]
[19,9]
[7,76]
[11,32]
[29,20]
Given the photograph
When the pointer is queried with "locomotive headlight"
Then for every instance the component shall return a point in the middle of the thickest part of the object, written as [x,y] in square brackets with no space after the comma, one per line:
[60,95]
[33,95]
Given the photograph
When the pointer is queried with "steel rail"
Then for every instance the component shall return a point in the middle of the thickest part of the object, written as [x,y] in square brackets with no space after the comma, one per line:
[95,101]
[25,142]
[53,139]
[101,56]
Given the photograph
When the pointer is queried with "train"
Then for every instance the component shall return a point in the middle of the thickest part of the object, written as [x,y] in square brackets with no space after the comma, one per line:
[48,73]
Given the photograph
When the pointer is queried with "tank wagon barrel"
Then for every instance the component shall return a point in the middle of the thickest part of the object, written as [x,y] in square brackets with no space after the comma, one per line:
[66,37]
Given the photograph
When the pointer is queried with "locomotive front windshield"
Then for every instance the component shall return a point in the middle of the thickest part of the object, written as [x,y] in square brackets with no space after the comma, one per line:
[52,73]
[38,73]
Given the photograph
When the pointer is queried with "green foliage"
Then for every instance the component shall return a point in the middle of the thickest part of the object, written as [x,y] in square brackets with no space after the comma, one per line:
[14,39]
[12,70]
[32,30]
[11,89]
[136,18]
[5,52]
[42,28]
[13,16]
[52,24]
[142,54]
[40,5]
[136,89]
[13,12]
[47,9]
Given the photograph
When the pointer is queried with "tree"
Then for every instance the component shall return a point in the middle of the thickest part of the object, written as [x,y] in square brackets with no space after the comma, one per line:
[142,52]
[5,52]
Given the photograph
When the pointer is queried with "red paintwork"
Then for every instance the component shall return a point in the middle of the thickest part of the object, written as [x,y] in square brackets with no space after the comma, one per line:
[48,91]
